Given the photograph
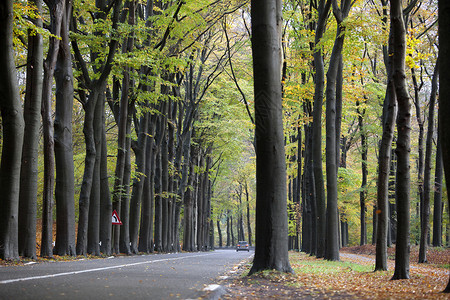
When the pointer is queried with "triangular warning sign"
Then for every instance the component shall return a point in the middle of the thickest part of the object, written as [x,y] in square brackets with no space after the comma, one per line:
[115,218]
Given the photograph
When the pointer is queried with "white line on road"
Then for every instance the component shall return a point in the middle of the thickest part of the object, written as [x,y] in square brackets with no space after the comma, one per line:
[97,269]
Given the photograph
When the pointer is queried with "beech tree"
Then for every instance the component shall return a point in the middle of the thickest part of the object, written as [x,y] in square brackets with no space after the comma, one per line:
[384,159]
[64,183]
[332,235]
[323,9]
[12,137]
[271,250]
[29,165]
[444,91]
[402,189]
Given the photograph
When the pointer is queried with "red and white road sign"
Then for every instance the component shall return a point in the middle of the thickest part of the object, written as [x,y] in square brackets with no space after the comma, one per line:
[115,218]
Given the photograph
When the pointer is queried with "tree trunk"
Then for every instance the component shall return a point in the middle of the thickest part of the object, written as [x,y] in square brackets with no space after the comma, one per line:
[437,206]
[332,233]
[64,183]
[363,192]
[105,233]
[319,81]
[29,165]
[188,244]
[56,8]
[12,139]
[249,227]
[420,159]
[384,166]
[146,231]
[228,230]
[444,92]
[93,237]
[271,237]
[424,228]
[402,248]
[140,150]
[308,207]
[219,231]
[124,236]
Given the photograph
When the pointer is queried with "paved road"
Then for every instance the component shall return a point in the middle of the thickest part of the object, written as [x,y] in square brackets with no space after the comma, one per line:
[167,276]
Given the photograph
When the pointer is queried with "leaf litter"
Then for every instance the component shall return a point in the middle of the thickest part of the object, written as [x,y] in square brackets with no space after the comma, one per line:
[351,278]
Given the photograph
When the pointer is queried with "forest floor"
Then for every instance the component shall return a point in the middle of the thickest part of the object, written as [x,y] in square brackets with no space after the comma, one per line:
[351,278]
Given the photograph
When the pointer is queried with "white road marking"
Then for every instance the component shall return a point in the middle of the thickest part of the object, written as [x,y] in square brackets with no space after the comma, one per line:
[212,287]
[96,269]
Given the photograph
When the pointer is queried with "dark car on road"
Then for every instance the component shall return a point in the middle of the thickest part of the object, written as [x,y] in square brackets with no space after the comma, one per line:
[242,245]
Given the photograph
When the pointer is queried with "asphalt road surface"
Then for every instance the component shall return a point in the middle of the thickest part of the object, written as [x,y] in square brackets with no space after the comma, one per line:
[165,276]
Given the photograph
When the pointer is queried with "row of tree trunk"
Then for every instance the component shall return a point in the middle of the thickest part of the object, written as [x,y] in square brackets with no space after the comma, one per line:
[324,229]
[173,159]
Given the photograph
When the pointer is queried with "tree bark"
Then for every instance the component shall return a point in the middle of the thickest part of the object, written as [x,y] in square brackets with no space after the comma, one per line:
[271,209]
[12,139]
[424,228]
[437,206]
[56,8]
[249,227]
[363,192]
[105,233]
[29,165]
[444,92]
[64,183]
[323,11]
[332,232]
[403,149]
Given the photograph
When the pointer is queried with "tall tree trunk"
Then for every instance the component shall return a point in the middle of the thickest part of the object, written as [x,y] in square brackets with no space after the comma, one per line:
[64,183]
[146,227]
[57,8]
[12,138]
[308,207]
[89,167]
[363,192]
[332,233]
[323,11]
[119,190]
[228,230]
[124,235]
[219,231]
[188,244]
[271,237]
[105,233]
[140,150]
[424,228]
[420,160]
[402,248]
[437,206]
[384,164]
[249,226]
[93,236]
[29,166]
[444,92]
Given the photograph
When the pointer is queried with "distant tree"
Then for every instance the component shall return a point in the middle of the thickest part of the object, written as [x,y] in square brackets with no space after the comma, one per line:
[271,250]
[427,171]
[437,206]
[12,137]
[444,91]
